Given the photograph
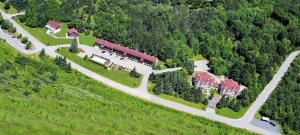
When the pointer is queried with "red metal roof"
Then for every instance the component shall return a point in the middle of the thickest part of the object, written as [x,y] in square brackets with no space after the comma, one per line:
[230,85]
[73,30]
[53,24]
[126,50]
[206,79]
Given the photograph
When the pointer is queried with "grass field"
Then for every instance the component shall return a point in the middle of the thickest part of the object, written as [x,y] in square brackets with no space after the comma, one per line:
[41,35]
[121,76]
[175,99]
[75,104]
[63,31]
[87,39]
[230,113]
[12,10]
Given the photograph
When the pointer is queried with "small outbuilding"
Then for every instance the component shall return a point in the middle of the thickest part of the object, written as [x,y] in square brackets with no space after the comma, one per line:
[101,60]
[73,33]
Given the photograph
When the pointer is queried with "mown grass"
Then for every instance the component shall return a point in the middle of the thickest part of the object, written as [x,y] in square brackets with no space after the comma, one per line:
[232,114]
[63,31]
[175,99]
[75,104]
[121,76]
[87,39]
[12,10]
[41,35]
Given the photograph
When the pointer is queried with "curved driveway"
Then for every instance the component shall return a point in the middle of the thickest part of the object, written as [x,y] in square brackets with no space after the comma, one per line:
[141,91]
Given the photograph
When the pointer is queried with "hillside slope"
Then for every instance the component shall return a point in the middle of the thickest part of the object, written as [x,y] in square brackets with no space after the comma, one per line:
[36,97]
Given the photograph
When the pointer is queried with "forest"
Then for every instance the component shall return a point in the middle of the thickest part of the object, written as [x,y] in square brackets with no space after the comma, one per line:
[245,40]
[283,104]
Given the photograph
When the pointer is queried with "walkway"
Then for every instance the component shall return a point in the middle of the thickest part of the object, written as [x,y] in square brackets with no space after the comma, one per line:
[141,91]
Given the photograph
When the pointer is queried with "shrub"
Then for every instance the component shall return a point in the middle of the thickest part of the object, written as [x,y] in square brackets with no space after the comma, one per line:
[12,29]
[24,40]
[87,32]
[20,36]
[22,18]
[134,74]
[7,6]
[28,45]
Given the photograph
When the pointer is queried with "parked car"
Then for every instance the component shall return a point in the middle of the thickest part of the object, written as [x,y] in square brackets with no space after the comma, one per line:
[273,123]
[266,119]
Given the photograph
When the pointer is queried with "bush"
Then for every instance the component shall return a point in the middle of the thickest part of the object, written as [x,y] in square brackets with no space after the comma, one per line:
[87,32]
[5,25]
[22,18]
[28,45]
[85,57]
[134,74]
[12,29]
[24,40]
[7,6]
[20,36]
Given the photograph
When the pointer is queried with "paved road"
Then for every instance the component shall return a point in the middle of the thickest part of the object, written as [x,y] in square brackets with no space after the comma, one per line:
[141,91]
[270,87]
[167,70]
[36,43]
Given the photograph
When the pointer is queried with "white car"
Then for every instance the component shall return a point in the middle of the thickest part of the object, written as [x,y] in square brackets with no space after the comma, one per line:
[267,119]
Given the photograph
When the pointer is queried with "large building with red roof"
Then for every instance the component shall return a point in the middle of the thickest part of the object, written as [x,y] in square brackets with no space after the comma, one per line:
[125,51]
[230,87]
[205,81]
[53,26]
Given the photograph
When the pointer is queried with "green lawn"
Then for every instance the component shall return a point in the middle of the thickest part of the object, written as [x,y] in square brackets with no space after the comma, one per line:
[175,99]
[232,114]
[63,31]
[198,57]
[76,104]
[40,34]
[87,39]
[121,76]
[12,10]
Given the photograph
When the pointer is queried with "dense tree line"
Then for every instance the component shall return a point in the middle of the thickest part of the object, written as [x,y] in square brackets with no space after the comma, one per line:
[176,84]
[244,40]
[283,104]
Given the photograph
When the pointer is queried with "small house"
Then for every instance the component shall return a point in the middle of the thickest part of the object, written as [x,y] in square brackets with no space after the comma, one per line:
[73,33]
[53,26]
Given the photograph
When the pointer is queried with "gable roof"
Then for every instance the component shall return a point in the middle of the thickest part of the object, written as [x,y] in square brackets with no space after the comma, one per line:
[230,85]
[53,24]
[73,30]
[205,78]
[126,50]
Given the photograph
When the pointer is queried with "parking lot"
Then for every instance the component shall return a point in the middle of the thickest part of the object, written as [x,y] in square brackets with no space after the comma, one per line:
[265,125]
[116,59]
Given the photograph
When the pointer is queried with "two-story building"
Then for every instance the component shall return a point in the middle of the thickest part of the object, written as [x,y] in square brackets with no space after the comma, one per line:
[205,81]
[53,26]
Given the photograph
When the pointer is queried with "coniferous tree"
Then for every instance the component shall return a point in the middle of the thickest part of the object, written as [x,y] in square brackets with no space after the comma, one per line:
[74,46]
[69,68]
[43,54]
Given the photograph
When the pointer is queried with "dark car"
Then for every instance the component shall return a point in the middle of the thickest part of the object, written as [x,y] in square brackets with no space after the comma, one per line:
[272,123]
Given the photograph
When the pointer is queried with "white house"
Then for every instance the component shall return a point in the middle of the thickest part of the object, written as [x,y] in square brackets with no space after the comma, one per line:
[230,87]
[53,26]
[205,81]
